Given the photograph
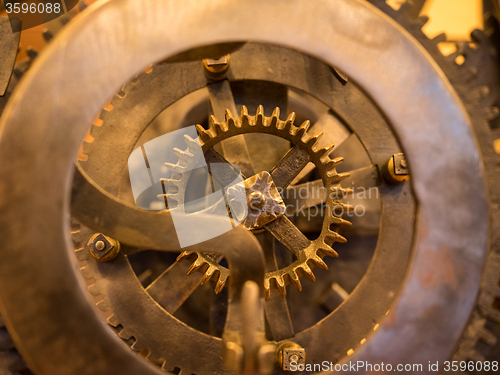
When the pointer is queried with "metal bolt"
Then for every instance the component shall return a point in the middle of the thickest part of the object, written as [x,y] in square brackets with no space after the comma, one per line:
[395,171]
[256,200]
[100,245]
[289,352]
[216,69]
[103,248]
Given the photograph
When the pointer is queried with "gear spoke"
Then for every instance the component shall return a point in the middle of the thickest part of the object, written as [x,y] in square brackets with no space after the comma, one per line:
[224,176]
[174,286]
[288,234]
[289,167]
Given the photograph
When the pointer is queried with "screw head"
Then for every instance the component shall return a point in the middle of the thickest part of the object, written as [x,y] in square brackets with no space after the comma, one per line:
[216,69]
[256,200]
[100,245]
[289,352]
[403,163]
[103,248]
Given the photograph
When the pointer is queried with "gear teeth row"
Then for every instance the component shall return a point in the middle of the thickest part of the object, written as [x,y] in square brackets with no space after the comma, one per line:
[259,121]
[210,272]
[480,103]
[299,136]
[291,275]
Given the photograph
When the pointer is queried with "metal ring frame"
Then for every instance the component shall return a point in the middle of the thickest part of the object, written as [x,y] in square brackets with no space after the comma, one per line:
[37,150]
[146,99]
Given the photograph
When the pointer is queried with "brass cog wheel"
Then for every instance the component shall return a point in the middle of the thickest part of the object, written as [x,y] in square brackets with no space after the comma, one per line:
[308,253]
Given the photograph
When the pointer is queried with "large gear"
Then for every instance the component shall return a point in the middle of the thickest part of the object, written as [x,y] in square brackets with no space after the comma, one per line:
[311,253]
[476,81]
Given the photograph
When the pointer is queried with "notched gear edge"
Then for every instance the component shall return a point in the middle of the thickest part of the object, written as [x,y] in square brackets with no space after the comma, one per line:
[471,81]
[310,256]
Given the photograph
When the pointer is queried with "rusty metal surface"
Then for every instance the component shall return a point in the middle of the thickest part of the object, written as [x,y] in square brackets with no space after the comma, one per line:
[9,43]
[438,238]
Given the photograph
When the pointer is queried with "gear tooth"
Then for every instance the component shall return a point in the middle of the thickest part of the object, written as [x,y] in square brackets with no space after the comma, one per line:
[325,151]
[228,114]
[478,36]
[220,128]
[215,127]
[477,94]
[180,153]
[327,251]
[313,141]
[490,113]
[275,118]
[338,192]
[340,222]
[267,294]
[174,168]
[212,120]
[190,142]
[331,164]
[81,254]
[82,6]
[125,334]
[32,53]
[231,122]
[103,306]
[487,336]
[405,9]
[169,183]
[280,285]
[113,321]
[440,38]
[137,347]
[276,113]
[302,130]
[202,134]
[207,275]
[306,270]
[289,122]
[422,20]
[259,116]
[184,255]
[335,237]
[244,110]
[245,118]
[221,283]
[94,290]
[197,264]
[47,35]
[86,272]
[86,147]
[340,176]
[319,263]
[267,289]
[295,280]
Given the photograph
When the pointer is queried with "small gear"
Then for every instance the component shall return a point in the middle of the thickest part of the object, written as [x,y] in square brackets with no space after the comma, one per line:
[311,253]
